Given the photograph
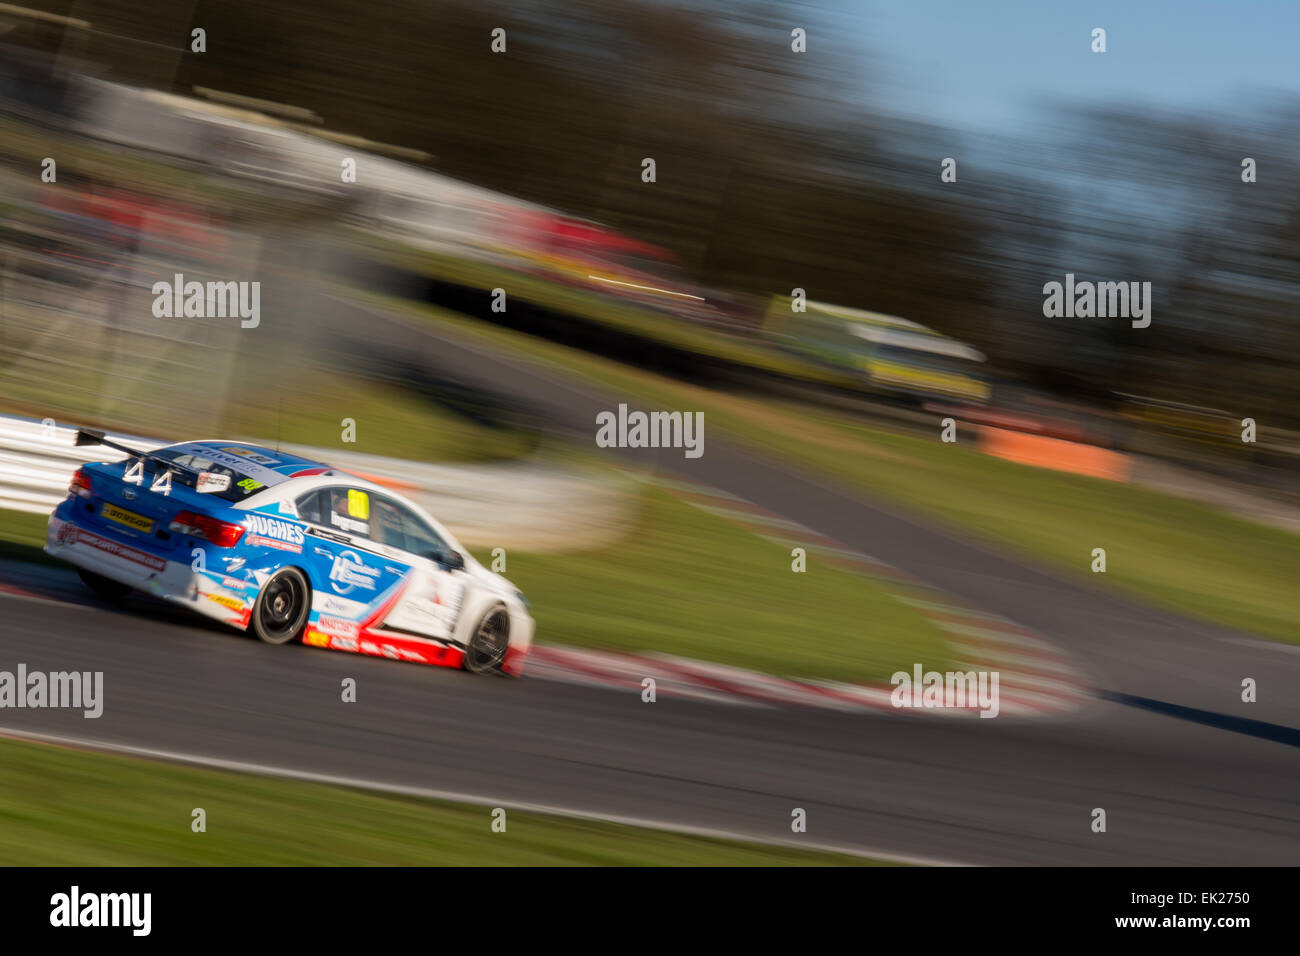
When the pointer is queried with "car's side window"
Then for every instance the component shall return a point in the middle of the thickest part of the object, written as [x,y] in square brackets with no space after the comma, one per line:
[415,533]
[347,509]
[386,524]
[309,507]
[378,518]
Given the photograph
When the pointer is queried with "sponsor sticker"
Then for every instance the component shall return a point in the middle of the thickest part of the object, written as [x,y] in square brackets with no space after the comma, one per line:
[350,572]
[209,482]
[239,463]
[338,627]
[358,504]
[128,518]
[235,604]
[270,532]
[118,550]
[260,541]
[251,455]
[336,605]
[348,524]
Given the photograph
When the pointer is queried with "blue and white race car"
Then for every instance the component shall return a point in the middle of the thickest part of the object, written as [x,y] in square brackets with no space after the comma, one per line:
[288,548]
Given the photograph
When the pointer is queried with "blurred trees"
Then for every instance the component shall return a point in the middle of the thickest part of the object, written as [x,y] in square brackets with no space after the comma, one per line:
[775,171]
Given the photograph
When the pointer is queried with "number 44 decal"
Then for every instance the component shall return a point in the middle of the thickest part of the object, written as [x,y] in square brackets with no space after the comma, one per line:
[135,475]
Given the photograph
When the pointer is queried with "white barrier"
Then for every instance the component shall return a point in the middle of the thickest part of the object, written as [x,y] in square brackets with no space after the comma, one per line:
[37,461]
[526,505]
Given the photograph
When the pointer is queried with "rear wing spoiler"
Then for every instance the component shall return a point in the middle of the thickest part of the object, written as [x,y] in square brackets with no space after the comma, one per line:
[93,436]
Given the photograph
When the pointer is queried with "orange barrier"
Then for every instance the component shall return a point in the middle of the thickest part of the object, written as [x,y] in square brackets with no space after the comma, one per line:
[395,483]
[1054,453]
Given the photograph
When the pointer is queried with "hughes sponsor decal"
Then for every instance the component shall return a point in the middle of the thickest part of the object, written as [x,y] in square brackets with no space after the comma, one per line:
[350,572]
[274,533]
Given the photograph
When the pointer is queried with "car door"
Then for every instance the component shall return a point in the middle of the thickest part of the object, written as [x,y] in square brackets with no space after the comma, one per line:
[430,604]
[353,575]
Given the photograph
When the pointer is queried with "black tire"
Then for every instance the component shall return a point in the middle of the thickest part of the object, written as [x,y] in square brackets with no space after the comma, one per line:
[105,588]
[280,613]
[488,646]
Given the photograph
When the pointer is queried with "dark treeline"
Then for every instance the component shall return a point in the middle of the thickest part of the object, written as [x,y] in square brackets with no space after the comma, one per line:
[778,170]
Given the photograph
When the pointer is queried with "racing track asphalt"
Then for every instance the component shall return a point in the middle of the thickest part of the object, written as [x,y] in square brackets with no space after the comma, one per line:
[1186,773]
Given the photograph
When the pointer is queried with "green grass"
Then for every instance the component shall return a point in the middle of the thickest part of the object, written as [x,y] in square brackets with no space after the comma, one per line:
[65,807]
[389,421]
[689,583]
[305,408]
[22,535]
[1177,554]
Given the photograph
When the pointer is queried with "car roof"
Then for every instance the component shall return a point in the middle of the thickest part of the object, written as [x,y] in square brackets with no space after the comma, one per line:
[282,462]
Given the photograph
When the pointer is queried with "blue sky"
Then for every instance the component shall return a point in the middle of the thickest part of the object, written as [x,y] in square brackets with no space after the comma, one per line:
[981,64]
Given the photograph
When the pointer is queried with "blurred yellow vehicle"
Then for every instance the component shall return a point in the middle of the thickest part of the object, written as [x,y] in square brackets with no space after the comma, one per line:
[893,355]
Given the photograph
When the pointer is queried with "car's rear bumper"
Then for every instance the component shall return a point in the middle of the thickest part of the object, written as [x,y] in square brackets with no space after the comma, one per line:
[152,574]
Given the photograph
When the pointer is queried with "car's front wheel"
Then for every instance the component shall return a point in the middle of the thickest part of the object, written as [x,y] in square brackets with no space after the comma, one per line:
[105,588]
[487,648]
[281,610]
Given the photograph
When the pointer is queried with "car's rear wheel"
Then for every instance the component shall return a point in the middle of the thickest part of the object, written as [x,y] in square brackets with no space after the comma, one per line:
[105,588]
[487,648]
[281,610]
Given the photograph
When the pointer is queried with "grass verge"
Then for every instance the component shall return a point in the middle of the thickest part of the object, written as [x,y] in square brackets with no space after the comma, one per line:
[22,536]
[65,807]
[689,583]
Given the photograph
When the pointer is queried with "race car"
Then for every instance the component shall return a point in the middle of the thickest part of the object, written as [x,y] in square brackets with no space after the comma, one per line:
[290,549]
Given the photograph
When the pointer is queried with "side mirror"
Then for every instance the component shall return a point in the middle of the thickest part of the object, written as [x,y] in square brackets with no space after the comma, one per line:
[448,560]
